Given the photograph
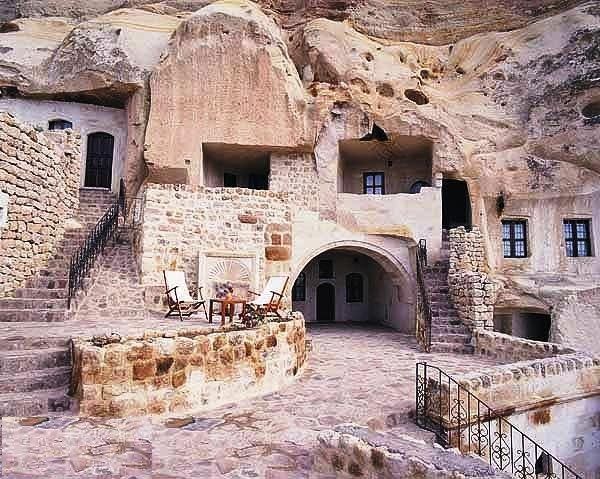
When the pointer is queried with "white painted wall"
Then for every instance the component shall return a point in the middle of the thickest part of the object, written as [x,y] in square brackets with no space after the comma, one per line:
[86,119]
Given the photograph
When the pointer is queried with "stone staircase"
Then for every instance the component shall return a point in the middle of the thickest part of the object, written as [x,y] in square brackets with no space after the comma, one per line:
[448,333]
[34,375]
[43,299]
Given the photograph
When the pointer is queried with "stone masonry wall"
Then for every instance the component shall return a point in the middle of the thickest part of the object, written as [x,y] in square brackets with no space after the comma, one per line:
[297,174]
[40,173]
[507,348]
[471,289]
[162,372]
[179,222]
[528,383]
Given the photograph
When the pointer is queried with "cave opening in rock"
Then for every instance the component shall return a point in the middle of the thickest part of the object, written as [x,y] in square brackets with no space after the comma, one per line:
[456,204]
[236,166]
[384,167]
[526,324]
[591,110]
[416,96]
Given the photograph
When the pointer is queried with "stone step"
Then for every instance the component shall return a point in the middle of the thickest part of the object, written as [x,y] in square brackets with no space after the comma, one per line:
[46,283]
[437,330]
[41,293]
[20,361]
[20,343]
[452,338]
[51,378]
[33,303]
[437,347]
[46,272]
[29,315]
[34,403]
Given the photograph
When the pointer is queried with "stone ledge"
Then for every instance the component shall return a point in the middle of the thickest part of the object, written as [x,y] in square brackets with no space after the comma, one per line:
[186,370]
[354,451]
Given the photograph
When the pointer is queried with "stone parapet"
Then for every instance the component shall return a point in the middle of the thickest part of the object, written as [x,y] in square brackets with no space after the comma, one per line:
[177,371]
[40,174]
[507,348]
[532,383]
[471,289]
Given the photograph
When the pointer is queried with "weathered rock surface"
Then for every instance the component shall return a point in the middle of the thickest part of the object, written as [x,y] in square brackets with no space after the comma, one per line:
[231,56]
[434,22]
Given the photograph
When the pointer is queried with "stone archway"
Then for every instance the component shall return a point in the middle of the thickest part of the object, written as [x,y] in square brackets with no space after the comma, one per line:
[389,288]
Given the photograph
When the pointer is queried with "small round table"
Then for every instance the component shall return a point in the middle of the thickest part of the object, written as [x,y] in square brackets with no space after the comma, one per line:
[227,307]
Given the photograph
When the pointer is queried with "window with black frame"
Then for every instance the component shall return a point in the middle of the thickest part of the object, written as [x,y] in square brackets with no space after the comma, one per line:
[325,269]
[373,184]
[299,288]
[59,124]
[354,288]
[577,238]
[514,238]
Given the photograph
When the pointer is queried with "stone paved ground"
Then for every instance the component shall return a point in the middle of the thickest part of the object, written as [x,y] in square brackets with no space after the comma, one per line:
[354,374]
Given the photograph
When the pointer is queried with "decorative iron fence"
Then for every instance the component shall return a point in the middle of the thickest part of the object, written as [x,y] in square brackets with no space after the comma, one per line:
[459,419]
[423,330]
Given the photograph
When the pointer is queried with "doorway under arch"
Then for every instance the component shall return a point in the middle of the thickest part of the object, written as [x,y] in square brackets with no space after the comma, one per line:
[99,160]
[325,303]
[384,294]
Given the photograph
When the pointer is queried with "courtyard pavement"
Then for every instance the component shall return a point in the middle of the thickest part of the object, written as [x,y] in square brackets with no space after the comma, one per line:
[354,374]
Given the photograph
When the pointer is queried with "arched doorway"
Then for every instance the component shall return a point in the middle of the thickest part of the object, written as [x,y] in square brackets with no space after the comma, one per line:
[456,204]
[325,303]
[368,284]
[99,160]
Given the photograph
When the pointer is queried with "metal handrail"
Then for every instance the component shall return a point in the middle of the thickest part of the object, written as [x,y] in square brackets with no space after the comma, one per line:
[83,259]
[424,316]
[460,419]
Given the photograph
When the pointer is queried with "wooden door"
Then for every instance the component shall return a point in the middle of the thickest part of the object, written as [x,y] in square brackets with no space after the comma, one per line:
[99,159]
[326,303]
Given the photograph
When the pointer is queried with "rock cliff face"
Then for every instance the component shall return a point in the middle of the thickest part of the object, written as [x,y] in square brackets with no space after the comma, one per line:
[434,22]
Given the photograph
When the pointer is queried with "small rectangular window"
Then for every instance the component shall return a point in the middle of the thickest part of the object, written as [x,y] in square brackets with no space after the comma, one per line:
[577,237]
[299,288]
[325,269]
[514,238]
[229,180]
[258,182]
[59,124]
[373,184]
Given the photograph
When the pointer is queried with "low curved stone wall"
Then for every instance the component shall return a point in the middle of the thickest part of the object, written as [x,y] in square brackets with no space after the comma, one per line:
[186,370]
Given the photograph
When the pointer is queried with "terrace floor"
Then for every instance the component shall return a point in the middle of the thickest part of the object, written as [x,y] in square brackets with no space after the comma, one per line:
[358,374]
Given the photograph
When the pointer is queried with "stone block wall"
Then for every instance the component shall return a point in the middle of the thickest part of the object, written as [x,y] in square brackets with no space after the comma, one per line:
[527,383]
[297,174]
[471,289]
[40,173]
[507,348]
[161,372]
[180,221]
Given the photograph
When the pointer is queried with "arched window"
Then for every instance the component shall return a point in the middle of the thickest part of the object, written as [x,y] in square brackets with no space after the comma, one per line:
[299,288]
[417,185]
[354,288]
[59,124]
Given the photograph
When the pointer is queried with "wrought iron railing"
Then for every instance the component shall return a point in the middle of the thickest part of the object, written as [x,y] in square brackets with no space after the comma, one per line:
[83,259]
[460,419]
[423,329]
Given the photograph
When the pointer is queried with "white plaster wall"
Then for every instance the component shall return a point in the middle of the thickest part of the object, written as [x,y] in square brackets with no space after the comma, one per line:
[569,430]
[85,118]
[413,216]
[546,245]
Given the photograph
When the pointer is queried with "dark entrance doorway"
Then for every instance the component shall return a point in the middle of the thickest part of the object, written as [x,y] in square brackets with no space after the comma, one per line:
[326,303]
[99,159]
[456,205]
